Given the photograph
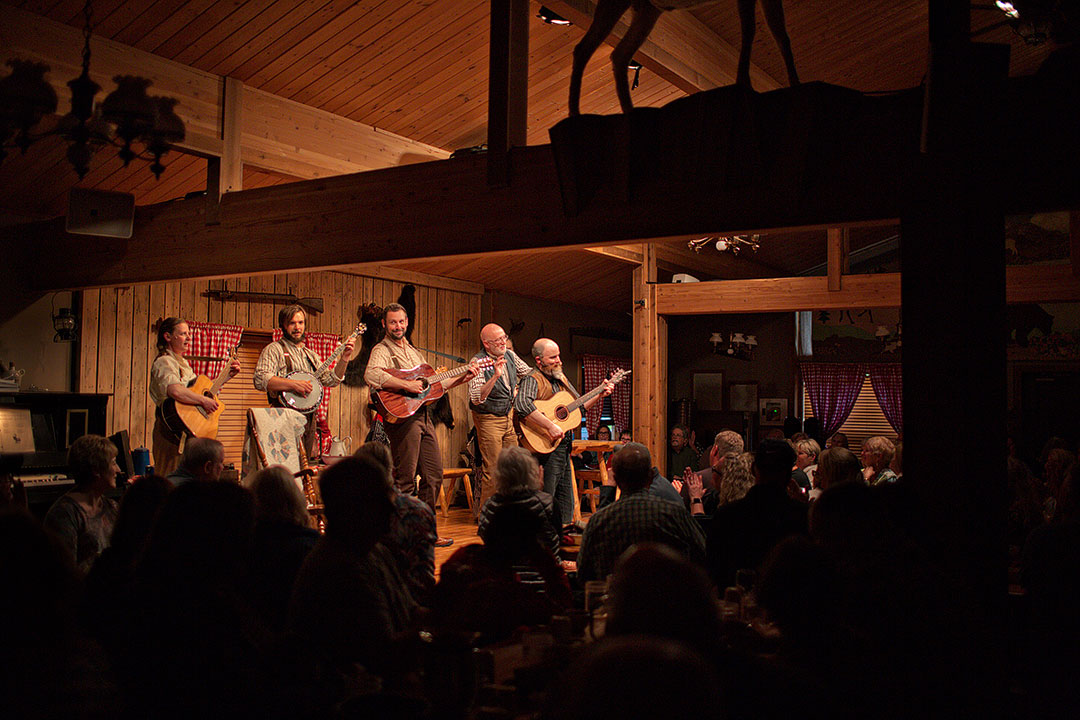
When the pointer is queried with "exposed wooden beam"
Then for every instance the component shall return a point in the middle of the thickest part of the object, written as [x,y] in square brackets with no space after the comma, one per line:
[1074,241]
[649,378]
[232,164]
[1041,283]
[838,264]
[508,85]
[777,295]
[277,134]
[681,49]
[418,211]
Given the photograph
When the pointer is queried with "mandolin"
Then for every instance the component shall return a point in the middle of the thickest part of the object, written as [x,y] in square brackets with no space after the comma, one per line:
[307,404]
[561,409]
[195,420]
[395,405]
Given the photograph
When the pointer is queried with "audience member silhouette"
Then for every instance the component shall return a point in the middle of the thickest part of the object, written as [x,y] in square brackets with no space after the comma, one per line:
[835,465]
[411,537]
[283,539]
[203,459]
[350,600]
[519,518]
[743,532]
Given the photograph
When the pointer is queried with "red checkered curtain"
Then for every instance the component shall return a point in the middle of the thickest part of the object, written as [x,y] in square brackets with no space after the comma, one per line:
[212,340]
[598,368]
[322,344]
[888,382]
[833,389]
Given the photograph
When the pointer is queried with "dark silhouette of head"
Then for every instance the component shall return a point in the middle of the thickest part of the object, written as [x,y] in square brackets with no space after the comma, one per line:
[358,500]
[139,509]
[632,467]
[837,465]
[773,462]
[278,498]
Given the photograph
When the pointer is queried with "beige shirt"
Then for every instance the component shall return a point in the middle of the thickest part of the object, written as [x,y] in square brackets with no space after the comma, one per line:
[272,364]
[168,369]
[383,356]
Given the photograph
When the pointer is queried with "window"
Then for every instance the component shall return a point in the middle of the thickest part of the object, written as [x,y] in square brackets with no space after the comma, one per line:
[866,419]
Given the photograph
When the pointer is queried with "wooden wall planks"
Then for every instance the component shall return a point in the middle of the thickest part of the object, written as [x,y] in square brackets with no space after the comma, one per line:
[118,343]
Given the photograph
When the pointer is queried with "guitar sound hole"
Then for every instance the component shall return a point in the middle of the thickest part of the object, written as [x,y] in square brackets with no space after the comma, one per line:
[561,413]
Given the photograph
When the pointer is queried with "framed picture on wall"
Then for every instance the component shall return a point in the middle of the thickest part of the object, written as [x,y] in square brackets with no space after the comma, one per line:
[743,397]
[709,391]
[772,411]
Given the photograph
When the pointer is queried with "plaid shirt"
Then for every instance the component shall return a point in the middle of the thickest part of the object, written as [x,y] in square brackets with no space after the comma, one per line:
[635,518]
[411,540]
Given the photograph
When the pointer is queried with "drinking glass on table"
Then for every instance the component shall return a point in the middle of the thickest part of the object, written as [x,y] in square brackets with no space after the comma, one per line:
[595,594]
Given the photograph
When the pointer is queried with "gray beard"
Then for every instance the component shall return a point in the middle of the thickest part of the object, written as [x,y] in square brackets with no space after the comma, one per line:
[558,374]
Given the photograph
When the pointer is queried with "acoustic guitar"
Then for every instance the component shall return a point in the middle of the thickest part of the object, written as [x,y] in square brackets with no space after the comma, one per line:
[561,409]
[309,403]
[395,405]
[184,419]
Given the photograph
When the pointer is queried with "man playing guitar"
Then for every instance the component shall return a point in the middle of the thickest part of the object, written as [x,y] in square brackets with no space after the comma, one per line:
[412,440]
[280,358]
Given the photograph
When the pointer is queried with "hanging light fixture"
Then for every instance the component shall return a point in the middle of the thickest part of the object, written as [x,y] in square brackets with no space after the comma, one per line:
[126,116]
[65,324]
[727,243]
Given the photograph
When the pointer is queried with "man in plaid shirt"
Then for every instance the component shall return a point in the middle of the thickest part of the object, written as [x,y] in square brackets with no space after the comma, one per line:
[637,516]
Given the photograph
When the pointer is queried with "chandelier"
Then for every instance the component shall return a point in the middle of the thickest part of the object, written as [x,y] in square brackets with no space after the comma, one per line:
[126,116]
[727,243]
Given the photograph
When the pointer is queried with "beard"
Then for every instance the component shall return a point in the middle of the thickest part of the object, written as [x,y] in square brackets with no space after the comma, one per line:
[554,371]
[295,340]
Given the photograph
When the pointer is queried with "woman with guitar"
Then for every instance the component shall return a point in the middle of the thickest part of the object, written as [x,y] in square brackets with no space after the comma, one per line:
[170,376]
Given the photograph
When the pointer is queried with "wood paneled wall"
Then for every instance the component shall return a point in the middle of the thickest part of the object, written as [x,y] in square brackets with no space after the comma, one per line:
[118,346]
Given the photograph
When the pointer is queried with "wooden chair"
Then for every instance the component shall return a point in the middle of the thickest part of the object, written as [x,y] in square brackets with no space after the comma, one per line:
[453,474]
[588,485]
[275,436]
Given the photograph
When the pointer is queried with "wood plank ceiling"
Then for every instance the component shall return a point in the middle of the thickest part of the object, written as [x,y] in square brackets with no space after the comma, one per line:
[418,68]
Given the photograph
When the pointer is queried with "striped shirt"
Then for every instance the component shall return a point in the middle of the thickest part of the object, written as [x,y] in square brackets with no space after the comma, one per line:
[272,364]
[477,383]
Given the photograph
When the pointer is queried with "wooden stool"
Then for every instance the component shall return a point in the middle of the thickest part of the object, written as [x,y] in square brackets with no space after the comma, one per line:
[453,474]
[589,482]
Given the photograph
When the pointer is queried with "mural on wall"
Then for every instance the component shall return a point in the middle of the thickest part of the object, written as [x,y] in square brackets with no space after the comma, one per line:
[1038,238]
[857,335]
[1044,331]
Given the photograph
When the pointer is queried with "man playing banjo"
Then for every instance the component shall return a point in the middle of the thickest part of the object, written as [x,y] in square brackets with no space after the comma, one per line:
[289,354]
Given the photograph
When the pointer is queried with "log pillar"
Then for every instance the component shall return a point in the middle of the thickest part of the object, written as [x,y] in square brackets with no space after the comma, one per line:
[649,362]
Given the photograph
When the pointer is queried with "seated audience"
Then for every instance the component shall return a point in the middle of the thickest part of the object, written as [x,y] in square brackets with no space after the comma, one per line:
[659,486]
[1050,573]
[897,464]
[1025,507]
[727,443]
[742,533]
[637,516]
[83,518]
[650,576]
[350,600]
[203,459]
[836,465]
[626,436]
[110,583]
[411,537]
[1056,468]
[877,453]
[520,514]
[283,539]
[640,677]
[736,479]
[806,458]
[837,440]
[193,645]
[682,454]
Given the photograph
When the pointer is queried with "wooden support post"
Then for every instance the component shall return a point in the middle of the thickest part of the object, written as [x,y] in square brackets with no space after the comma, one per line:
[508,70]
[649,362]
[226,173]
[954,396]
[838,262]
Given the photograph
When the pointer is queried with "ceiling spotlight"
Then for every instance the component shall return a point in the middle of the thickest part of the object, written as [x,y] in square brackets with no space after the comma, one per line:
[552,18]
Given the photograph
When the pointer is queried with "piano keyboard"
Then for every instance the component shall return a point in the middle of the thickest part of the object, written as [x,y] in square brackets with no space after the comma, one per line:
[44,480]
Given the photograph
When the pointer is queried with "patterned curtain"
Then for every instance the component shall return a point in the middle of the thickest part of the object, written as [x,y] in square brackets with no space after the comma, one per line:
[888,383]
[212,340]
[833,389]
[597,369]
[322,344]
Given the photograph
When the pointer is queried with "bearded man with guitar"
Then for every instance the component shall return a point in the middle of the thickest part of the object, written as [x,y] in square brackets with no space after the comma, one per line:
[288,355]
[412,438]
[542,384]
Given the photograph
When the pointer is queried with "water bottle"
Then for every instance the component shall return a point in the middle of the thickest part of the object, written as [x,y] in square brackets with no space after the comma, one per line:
[140,458]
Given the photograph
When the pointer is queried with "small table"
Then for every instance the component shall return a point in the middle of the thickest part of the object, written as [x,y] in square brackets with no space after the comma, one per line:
[599,447]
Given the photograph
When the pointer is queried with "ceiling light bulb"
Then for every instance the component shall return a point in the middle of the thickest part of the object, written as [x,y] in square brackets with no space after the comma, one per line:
[722,244]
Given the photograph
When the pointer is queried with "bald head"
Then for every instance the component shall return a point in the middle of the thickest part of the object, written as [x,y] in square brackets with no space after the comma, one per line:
[493,338]
[546,353]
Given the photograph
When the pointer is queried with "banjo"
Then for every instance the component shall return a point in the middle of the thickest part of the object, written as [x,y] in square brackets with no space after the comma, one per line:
[308,403]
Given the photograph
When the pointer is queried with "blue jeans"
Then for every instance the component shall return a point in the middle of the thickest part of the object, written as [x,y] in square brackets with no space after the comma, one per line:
[556,467]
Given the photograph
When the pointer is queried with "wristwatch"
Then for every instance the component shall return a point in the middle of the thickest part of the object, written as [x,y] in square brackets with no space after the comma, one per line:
[695,500]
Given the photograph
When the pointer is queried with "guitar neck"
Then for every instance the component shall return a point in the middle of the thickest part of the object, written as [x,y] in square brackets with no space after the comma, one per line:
[580,402]
[332,358]
[222,378]
[447,374]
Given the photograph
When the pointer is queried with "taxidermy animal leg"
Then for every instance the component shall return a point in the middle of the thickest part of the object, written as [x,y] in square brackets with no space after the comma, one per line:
[645,17]
[774,17]
[607,14]
[749,27]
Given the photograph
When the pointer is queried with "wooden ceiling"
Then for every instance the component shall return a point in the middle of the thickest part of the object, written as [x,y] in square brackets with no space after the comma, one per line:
[418,68]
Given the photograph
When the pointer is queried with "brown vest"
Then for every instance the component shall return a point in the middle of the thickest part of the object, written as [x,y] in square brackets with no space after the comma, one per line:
[544,390]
